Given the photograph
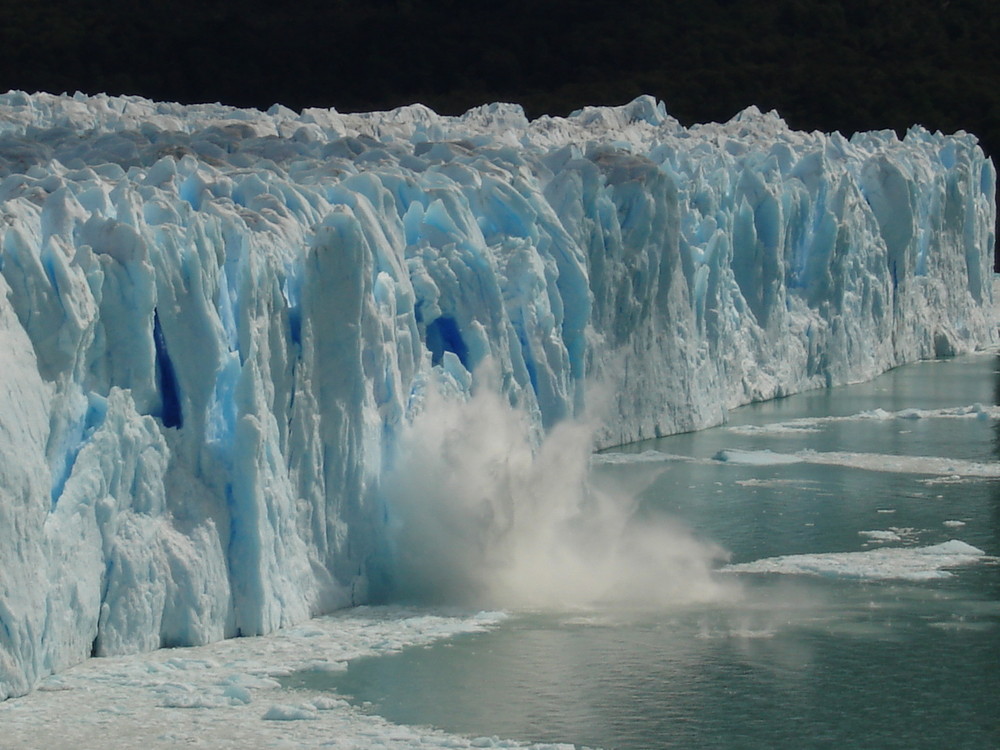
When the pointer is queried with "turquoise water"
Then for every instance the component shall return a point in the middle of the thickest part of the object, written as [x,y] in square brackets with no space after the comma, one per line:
[843,659]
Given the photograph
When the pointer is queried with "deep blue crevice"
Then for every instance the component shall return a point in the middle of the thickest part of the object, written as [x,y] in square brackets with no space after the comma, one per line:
[233,521]
[295,325]
[167,379]
[443,336]
[529,360]
[6,630]
[292,291]
[109,569]
[73,441]
[529,364]
[61,476]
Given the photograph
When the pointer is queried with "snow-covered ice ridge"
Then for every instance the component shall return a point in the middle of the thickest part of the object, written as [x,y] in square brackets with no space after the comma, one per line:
[215,321]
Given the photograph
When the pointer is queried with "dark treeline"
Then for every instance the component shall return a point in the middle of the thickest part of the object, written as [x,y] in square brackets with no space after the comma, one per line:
[823,64]
[828,65]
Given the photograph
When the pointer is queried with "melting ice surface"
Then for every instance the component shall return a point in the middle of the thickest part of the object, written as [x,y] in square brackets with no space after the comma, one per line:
[228,335]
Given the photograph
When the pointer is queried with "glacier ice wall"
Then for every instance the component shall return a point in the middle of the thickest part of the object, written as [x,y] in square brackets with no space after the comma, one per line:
[214,322]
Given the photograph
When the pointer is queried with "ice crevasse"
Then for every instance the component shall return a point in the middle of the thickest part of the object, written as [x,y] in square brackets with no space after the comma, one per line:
[215,322]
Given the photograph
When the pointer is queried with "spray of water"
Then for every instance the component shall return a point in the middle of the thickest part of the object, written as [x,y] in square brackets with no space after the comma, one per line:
[481,514]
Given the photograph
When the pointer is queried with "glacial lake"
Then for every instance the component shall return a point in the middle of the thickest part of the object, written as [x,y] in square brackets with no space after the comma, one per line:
[862,525]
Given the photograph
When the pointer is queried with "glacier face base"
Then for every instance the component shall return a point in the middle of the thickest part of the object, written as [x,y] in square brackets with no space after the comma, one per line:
[216,323]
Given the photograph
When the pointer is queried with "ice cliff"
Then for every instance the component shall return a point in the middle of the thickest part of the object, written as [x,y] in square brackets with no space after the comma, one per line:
[214,322]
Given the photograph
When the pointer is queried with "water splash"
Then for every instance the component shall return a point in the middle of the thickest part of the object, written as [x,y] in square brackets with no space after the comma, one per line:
[481,514]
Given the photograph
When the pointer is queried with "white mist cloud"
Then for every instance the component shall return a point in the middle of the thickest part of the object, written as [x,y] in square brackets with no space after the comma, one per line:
[480,515]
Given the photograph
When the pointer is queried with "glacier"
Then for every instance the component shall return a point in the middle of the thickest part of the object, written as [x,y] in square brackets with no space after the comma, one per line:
[216,323]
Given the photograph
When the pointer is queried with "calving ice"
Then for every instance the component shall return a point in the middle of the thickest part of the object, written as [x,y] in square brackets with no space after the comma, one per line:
[221,328]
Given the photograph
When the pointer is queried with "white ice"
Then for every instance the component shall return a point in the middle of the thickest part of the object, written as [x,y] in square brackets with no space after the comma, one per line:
[227,695]
[921,465]
[942,469]
[816,424]
[883,563]
[881,535]
[756,457]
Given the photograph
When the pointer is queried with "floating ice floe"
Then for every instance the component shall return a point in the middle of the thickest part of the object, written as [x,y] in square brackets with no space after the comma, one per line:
[885,563]
[949,468]
[881,535]
[756,458]
[806,425]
